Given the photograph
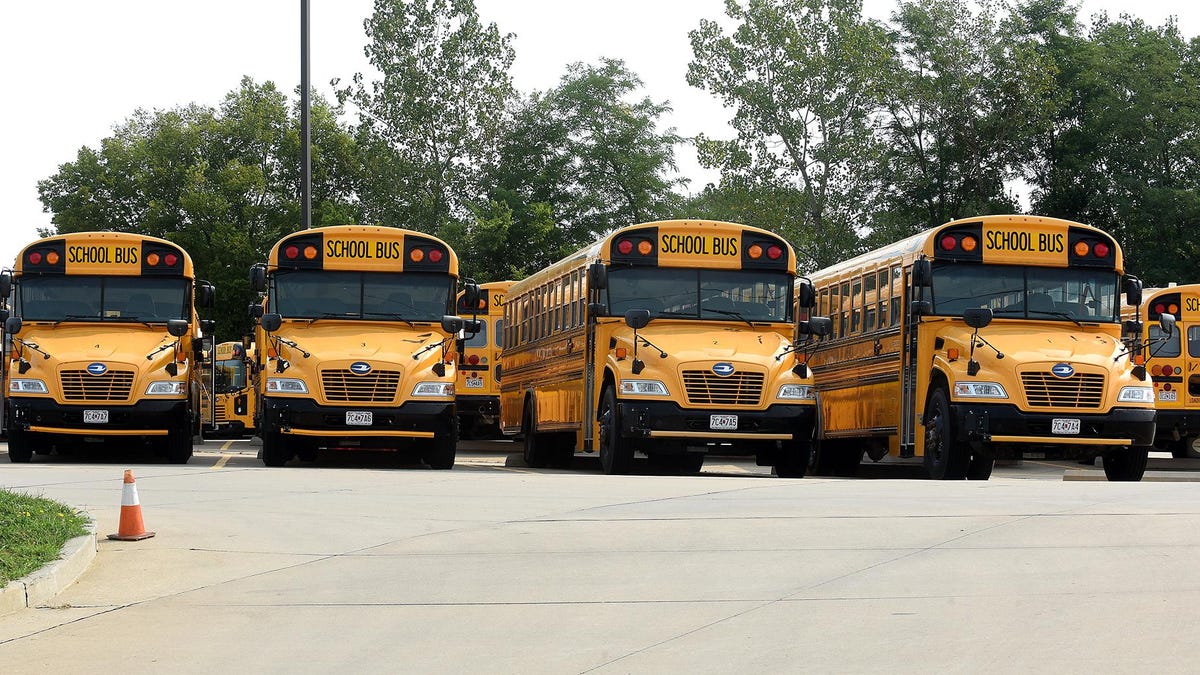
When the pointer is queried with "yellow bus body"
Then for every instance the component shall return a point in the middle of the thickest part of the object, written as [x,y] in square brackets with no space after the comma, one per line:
[878,374]
[93,358]
[1173,364]
[575,379]
[380,374]
[478,387]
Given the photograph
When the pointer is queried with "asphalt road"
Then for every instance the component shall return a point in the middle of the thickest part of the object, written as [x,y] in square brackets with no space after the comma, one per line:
[372,563]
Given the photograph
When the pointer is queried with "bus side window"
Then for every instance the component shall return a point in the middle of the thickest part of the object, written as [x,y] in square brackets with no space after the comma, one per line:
[856,305]
[1193,336]
[885,289]
[897,294]
[844,317]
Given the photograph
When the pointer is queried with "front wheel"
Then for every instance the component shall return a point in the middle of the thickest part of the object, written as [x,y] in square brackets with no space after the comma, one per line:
[980,467]
[616,454]
[179,446]
[20,449]
[274,452]
[1127,464]
[793,458]
[945,459]
[440,452]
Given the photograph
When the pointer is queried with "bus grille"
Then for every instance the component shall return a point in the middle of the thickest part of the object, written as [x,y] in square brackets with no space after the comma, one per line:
[78,385]
[221,417]
[707,388]
[377,386]
[1081,390]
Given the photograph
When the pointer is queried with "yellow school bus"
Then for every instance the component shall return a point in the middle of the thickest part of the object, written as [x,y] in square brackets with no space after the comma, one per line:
[1172,358]
[106,344]
[989,337]
[357,343]
[671,338]
[233,391]
[478,387]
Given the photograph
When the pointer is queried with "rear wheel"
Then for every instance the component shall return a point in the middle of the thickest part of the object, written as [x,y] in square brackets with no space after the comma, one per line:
[1127,464]
[274,452]
[535,450]
[616,454]
[945,459]
[20,448]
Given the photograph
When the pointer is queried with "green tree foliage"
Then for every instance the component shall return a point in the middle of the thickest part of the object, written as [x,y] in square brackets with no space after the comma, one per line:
[222,183]
[433,119]
[801,77]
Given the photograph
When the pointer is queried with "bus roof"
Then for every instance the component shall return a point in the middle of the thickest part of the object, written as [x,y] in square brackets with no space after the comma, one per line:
[104,253]
[363,248]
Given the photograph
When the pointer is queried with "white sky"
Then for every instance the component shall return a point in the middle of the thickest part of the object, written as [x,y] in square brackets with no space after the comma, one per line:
[72,69]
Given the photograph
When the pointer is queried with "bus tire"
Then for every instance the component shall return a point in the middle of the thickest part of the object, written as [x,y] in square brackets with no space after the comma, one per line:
[179,446]
[616,454]
[274,453]
[945,459]
[534,450]
[440,452]
[793,459]
[1126,464]
[981,465]
[20,449]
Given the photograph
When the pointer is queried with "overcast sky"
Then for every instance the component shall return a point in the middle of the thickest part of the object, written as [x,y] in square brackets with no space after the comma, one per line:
[72,69]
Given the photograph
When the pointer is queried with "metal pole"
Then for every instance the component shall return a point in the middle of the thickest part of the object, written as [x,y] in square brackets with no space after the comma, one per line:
[305,127]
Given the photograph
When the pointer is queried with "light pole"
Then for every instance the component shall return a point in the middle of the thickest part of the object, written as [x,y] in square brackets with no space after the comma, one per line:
[305,126]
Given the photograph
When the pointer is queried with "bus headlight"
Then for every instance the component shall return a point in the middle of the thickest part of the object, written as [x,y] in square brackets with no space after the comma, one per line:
[801,392]
[286,385]
[27,387]
[1136,395]
[979,390]
[166,388]
[644,388]
[434,389]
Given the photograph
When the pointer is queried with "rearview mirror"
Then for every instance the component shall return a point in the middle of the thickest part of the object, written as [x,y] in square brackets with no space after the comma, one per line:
[255,310]
[805,296]
[271,322]
[1133,291]
[596,309]
[922,274]
[5,284]
[471,296]
[258,278]
[921,307]
[977,317]
[597,276]
[817,325]
[452,324]
[472,326]
[177,327]
[208,326]
[1132,327]
[1166,323]
[246,342]
[206,294]
[12,325]
[637,318]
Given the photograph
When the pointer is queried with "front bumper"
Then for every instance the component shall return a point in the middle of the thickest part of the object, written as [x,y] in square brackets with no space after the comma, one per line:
[1006,424]
[668,421]
[305,417]
[143,418]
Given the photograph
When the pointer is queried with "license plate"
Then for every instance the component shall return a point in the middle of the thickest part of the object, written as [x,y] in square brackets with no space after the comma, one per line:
[1064,426]
[1168,396]
[722,422]
[360,418]
[95,417]
[475,383]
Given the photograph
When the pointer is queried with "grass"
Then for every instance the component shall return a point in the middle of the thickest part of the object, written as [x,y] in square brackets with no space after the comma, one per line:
[32,532]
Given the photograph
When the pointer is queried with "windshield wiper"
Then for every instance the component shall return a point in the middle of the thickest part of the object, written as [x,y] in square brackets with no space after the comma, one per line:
[331,315]
[730,313]
[391,315]
[77,317]
[1038,311]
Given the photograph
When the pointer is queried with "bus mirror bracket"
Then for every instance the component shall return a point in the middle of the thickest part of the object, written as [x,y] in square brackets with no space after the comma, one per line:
[258,278]
[12,325]
[271,322]
[978,317]
[177,327]
[922,273]
[597,275]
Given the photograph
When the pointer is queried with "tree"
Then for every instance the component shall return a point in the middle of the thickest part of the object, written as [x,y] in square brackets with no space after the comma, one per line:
[801,77]
[222,183]
[433,120]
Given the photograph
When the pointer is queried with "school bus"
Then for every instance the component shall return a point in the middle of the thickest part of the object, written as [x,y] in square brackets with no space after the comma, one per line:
[990,337]
[478,387]
[357,343]
[672,338]
[1174,370]
[106,344]
[233,392]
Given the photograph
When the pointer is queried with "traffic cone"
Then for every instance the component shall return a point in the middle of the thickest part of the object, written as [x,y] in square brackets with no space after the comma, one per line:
[131,527]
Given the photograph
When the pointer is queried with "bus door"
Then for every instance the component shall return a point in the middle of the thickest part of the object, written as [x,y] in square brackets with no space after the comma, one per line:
[908,358]
[597,281]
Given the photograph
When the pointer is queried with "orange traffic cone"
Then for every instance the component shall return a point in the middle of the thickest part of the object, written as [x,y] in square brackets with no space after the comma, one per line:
[131,527]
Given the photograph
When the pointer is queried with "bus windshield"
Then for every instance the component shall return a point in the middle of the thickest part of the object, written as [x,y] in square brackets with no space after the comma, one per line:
[231,376]
[373,296]
[101,298]
[1026,292]
[733,295]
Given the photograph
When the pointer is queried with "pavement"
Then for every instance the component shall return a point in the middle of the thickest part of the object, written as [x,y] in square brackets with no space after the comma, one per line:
[371,563]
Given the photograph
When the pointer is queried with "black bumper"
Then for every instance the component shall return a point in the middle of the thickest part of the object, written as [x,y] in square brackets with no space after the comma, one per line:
[1184,422]
[303,413]
[148,415]
[478,406]
[975,422]
[639,418]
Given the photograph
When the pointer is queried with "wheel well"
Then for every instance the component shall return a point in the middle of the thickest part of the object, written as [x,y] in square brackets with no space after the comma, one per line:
[609,380]
[937,379]
[527,407]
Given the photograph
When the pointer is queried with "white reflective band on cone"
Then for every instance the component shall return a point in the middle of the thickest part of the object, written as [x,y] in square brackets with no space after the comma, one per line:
[129,495]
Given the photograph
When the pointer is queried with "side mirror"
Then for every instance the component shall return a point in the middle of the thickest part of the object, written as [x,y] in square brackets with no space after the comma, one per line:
[206,295]
[922,273]
[208,326]
[637,318]
[470,296]
[805,295]
[597,276]
[246,342]
[977,317]
[1166,323]
[177,327]
[255,310]
[817,325]
[258,278]
[921,308]
[12,325]
[271,322]
[4,314]
[5,284]
[499,371]
[596,309]
[472,326]
[452,324]
[1133,327]
[1133,291]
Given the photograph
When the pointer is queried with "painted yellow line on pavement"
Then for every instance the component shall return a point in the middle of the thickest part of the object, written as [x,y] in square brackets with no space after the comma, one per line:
[221,462]
[228,444]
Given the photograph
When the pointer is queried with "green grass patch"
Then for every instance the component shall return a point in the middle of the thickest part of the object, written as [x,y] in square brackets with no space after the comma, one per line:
[32,532]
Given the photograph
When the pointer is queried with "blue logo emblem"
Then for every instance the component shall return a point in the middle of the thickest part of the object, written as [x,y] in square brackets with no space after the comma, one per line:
[97,369]
[1063,370]
[360,367]
[723,369]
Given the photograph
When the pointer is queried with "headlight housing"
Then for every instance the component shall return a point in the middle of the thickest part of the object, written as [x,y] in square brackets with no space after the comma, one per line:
[644,388]
[433,389]
[798,392]
[166,388]
[286,385]
[24,386]
[1136,395]
[979,390]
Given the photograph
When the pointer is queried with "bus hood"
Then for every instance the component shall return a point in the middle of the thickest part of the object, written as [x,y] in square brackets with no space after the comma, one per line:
[79,345]
[384,343]
[707,341]
[1024,343]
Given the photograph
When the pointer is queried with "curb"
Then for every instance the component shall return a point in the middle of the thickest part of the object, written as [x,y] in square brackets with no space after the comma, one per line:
[40,586]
